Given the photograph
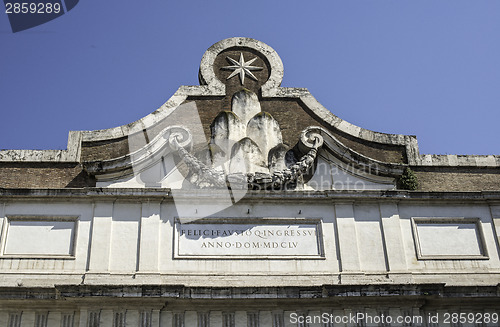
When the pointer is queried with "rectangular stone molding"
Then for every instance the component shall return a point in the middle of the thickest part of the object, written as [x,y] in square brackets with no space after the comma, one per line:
[37,236]
[215,318]
[82,321]
[240,319]
[266,318]
[495,215]
[28,319]
[166,318]
[449,238]
[106,318]
[394,247]
[125,236]
[4,318]
[369,237]
[150,237]
[54,319]
[191,318]
[100,247]
[132,318]
[259,238]
[155,318]
[346,233]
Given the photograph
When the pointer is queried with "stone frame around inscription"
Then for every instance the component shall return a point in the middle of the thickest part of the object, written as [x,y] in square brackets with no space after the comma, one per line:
[259,221]
[8,219]
[449,220]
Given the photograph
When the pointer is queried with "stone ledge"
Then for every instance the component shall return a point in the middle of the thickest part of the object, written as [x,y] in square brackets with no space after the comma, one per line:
[454,160]
[87,194]
[72,154]
[246,293]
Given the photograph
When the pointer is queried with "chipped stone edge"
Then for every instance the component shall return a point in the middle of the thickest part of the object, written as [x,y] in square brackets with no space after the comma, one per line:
[454,160]
[271,89]
[72,154]
[408,141]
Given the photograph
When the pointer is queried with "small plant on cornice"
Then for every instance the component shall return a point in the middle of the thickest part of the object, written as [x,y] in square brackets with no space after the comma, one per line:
[408,181]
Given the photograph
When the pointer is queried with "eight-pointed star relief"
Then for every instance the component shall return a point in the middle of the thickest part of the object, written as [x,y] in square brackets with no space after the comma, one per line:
[243,68]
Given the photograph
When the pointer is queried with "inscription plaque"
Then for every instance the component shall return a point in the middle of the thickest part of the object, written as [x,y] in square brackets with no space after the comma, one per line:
[248,240]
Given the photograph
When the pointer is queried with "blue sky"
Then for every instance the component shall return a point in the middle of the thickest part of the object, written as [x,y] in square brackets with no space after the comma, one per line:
[430,68]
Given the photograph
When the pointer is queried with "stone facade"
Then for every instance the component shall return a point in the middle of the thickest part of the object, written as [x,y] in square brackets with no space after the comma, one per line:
[241,203]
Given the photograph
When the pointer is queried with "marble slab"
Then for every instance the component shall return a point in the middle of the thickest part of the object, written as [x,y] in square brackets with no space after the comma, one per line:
[285,239]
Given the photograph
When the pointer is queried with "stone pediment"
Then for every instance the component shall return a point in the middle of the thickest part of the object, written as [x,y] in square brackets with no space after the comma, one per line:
[140,154]
[240,129]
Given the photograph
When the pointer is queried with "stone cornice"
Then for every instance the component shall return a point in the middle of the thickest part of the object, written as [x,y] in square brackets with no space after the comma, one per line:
[165,194]
[424,291]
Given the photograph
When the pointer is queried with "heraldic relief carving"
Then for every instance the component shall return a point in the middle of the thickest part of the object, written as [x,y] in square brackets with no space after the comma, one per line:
[244,147]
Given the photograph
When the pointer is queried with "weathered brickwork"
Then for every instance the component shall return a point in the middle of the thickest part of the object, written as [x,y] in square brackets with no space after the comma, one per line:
[290,115]
[30,175]
[293,119]
[92,151]
[44,175]
[457,179]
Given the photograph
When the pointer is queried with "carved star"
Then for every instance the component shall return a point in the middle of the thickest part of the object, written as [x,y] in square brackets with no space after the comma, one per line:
[242,68]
